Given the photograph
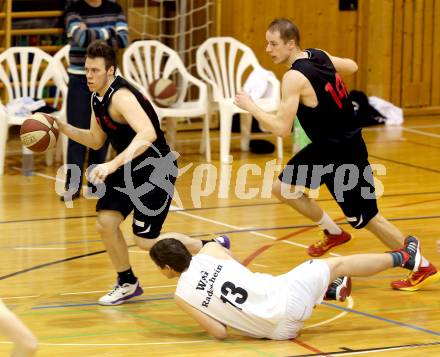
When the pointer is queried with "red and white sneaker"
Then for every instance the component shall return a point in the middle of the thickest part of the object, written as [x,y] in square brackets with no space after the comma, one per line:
[417,280]
[327,242]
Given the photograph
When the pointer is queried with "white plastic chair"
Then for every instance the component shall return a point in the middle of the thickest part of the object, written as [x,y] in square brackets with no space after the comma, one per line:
[62,61]
[145,61]
[26,72]
[225,64]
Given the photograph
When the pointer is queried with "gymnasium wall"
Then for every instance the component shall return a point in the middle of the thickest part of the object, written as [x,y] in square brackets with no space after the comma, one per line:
[395,42]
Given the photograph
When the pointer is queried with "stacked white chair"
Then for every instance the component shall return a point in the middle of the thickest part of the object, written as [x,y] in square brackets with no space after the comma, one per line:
[61,59]
[26,72]
[145,61]
[225,63]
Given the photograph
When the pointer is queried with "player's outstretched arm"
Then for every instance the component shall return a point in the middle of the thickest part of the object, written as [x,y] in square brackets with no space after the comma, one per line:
[25,343]
[211,325]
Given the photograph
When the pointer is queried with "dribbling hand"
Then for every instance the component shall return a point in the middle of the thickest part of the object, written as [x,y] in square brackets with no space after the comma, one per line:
[243,101]
[100,172]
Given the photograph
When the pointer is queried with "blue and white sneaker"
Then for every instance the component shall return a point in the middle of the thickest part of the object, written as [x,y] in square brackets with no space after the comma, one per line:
[121,293]
[223,240]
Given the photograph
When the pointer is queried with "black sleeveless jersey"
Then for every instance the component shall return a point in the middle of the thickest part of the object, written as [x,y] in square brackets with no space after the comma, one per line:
[121,135]
[333,119]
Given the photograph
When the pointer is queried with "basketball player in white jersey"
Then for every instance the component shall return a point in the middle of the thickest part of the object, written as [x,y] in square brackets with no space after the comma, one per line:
[217,291]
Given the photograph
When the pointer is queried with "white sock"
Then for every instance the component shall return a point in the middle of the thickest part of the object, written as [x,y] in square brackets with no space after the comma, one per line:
[327,223]
[425,262]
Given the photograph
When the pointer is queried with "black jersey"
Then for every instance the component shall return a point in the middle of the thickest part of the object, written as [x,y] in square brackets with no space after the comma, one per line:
[333,119]
[121,135]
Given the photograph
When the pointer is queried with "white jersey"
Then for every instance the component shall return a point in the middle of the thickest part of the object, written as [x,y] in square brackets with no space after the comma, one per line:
[258,305]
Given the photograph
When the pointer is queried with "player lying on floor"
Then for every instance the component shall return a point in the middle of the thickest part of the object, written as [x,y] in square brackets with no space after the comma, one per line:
[217,291]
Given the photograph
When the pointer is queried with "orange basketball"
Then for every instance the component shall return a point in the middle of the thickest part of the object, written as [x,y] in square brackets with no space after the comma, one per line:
[39,132]
[163,91]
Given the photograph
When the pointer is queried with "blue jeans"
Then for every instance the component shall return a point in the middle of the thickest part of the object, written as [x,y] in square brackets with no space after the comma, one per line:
[78,115]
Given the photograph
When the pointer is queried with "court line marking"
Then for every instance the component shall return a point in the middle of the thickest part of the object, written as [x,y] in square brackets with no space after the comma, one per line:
[399,127]
[310,348]
[117,344]
[20,297]
[159,297]
[350,304]
[213,221]
[245,230]
[85,292]
[101,291]
[417,328]
[405,164]
[265,135]
[39,248]
[424,126]
[421,132]
[348,352]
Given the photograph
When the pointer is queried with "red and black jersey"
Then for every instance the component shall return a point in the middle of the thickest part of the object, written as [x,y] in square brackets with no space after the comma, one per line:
[333,119]
[121,135]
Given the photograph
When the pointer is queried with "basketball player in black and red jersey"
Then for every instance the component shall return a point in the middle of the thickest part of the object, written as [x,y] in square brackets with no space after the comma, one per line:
[140,178]
[313,90]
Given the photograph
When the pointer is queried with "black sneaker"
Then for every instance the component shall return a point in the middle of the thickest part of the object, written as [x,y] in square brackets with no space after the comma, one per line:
[339,289]
[412,257]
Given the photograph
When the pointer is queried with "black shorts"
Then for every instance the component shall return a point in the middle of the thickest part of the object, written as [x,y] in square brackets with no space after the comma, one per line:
[344,169]
[147,190]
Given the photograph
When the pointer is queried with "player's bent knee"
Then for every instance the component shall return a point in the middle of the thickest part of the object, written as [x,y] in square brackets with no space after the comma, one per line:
[146,240]
[106,225]
[284,191]
[335,266]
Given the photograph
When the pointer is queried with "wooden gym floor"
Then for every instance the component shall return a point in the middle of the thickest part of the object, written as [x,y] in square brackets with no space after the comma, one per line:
[54,267]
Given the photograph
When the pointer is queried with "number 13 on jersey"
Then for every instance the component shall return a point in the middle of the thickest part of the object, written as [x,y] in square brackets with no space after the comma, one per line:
[239,295]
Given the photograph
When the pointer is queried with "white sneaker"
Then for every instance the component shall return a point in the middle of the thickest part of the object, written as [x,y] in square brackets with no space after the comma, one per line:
[120,294]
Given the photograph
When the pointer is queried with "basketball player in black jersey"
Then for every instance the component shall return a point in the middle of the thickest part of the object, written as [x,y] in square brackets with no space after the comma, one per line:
[313,90]
[140,178]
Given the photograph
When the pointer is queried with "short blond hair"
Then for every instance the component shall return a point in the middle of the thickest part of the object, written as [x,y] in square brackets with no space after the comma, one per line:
[287,29]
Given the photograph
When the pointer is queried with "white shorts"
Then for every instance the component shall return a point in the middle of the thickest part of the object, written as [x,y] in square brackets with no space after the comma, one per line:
[307,283]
